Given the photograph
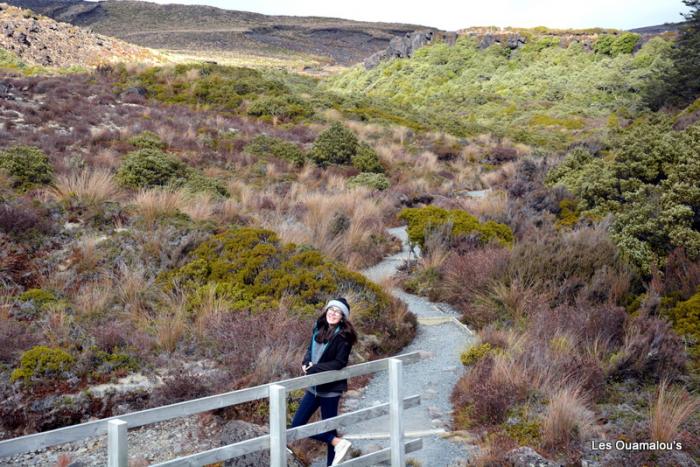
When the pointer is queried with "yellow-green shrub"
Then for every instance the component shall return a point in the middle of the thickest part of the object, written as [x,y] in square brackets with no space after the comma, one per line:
[422,220]
[686,322]
[475,353]
[42,362]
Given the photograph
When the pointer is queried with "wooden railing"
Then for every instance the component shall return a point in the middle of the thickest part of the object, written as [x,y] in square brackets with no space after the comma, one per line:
[279,435]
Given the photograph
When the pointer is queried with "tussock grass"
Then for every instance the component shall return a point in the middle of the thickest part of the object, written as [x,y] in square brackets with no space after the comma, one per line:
[567,419]
[88,187]
[671,409]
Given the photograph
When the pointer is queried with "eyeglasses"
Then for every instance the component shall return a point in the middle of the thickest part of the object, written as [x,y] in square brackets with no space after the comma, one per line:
[334,311]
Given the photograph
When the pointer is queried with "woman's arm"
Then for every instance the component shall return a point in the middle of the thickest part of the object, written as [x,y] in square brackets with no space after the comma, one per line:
[339,362]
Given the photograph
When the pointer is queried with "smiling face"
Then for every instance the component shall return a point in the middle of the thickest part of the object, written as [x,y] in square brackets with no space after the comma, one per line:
[334,315]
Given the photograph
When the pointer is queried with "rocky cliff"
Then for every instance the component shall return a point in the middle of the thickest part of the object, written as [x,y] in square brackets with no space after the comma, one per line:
[42,41]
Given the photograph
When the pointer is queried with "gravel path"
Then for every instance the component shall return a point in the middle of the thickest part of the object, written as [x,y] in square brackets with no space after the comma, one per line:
[432,378]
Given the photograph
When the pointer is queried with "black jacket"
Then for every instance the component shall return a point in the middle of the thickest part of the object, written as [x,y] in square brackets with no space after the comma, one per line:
[335,357]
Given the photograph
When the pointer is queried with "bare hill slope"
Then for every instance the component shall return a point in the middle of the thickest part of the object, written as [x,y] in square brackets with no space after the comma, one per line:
[198,28]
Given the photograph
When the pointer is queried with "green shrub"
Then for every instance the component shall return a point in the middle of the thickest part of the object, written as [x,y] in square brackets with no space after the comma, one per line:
[39,297]
[250,269]
[27,165]
[475,353]
[280,108]
[649,186]
[264,145]
[624,43]
[197,182]
[335,145]
[603,45]
[370,180]
[685,317]
[147,168]
[147,140]
[460,223]
[42,362]
[366,159]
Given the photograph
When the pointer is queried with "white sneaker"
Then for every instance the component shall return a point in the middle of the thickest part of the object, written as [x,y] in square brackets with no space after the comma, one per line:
[341,450]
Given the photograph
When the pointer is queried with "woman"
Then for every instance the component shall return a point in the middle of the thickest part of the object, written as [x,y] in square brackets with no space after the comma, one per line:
[331,341]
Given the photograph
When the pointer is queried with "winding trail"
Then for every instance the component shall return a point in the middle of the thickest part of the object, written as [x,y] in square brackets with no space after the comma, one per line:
[444,337]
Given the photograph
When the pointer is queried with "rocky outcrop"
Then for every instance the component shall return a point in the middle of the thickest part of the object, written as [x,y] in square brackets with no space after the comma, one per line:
[39,40]
[405,46]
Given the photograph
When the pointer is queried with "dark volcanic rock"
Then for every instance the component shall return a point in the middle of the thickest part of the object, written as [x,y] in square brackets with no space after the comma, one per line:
[404,47]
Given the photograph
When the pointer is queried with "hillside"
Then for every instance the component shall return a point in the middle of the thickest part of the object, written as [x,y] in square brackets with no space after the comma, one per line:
[191,28]
[182,225]
[38,40]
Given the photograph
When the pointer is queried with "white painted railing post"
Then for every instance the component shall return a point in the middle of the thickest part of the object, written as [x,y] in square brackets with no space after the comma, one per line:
[395,413]
[117,444]
[278,426]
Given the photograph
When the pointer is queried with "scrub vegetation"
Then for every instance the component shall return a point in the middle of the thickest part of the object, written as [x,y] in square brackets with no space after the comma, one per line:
[157,218]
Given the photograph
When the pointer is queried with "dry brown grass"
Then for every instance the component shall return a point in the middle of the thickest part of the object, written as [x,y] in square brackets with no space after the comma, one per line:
[498,177]
[170,321]
[93,297]
[199,207]
[491,206]
[89,187]
[567,419]
[157,202]
[672,408]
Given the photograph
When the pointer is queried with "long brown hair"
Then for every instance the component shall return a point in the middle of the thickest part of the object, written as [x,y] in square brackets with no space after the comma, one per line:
[325,331]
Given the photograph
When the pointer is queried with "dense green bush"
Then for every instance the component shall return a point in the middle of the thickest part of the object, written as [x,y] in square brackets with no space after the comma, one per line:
[42,362]
[250,269]
[542,95]
[649,186]
[39,297]
[147,140]
[460,223]
[685,317]
[147,168]
[197,182]
[264,145]
[335,145]
[366,159]
[216,87]
[475,353]
[280,108]
[28,166]
[616,45]
[370,180]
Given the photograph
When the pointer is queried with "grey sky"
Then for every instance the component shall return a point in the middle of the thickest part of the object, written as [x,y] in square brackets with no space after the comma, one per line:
[451,15]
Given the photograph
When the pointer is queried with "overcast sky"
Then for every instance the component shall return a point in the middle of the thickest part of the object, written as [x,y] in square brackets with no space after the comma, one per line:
[455,14]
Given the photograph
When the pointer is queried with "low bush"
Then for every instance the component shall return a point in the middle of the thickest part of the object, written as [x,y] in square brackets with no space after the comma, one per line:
[280,108]
[147,168]
[27,166]
[264,145]
[21,220]
[249,269]
[335,145]
[44,363]
[421,221]
[685,317]
[147,140]
[366,159]
[475,353]
[375,181]
[39,297]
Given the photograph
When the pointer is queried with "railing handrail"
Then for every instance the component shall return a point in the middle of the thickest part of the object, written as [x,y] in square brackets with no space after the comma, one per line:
[81,431]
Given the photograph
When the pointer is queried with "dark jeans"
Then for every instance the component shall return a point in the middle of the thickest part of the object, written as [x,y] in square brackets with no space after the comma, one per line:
[329,408]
